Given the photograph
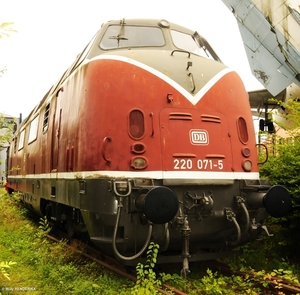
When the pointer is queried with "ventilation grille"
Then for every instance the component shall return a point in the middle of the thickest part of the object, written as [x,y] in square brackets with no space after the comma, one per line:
[180,116]
[209,118]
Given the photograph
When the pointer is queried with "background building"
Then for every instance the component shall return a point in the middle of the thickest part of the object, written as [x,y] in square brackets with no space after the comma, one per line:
[8,125]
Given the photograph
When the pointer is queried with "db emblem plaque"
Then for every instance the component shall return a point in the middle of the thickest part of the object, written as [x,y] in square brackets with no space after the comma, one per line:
[199,137]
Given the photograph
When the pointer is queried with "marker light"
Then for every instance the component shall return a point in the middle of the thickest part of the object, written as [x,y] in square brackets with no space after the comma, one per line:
[138,148]
[246,152]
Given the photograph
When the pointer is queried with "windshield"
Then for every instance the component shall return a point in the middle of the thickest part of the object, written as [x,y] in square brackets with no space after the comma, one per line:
[194,44]
[119,36]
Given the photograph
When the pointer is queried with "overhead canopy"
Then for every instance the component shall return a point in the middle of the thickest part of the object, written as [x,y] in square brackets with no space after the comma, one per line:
[270,32]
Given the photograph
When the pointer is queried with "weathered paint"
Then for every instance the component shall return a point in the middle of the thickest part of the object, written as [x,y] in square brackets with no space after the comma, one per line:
[196,126]
[270,32]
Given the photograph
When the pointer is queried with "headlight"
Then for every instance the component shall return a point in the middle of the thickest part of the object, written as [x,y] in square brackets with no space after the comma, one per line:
[138,162]
[247,165]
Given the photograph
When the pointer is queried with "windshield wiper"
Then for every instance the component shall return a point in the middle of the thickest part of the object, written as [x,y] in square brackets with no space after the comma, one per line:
[200,42]
[205,46]
[120,36]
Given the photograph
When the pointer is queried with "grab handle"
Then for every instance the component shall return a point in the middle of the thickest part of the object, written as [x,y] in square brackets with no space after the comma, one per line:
[106,140]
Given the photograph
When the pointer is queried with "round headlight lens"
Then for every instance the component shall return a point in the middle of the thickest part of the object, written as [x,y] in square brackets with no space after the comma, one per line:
[247,165]
[139,163]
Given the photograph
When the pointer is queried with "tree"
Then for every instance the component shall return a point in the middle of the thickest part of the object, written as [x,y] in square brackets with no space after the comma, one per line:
[7,125]
[7,128]
[283,167]
[5,30]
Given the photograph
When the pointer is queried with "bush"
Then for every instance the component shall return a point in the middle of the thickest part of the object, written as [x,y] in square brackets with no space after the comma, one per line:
[283,167]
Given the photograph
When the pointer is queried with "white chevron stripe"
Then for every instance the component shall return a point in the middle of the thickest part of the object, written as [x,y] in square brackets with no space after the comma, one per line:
[194,99]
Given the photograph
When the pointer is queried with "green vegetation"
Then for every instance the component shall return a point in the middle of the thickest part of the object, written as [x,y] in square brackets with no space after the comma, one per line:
[283,167]
[146,276]
[7,127]
[5,31]
[29,261]
[4,266]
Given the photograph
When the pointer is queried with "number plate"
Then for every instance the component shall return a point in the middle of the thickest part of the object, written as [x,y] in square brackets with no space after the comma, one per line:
[200,164]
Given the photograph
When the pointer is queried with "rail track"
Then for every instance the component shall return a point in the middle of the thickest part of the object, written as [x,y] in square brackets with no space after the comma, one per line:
[279,285]
[113,265]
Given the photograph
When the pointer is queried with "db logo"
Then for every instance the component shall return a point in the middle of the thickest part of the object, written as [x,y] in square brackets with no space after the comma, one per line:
[199,137]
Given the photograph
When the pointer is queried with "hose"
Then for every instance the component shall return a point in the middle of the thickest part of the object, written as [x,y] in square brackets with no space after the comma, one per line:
[116,252]
[247,216]
[238,239]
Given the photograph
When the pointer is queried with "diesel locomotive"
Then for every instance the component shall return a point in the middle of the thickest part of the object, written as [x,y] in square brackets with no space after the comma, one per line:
[147,136]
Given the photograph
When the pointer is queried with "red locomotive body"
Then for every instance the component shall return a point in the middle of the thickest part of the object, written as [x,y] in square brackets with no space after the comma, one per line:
[147,136]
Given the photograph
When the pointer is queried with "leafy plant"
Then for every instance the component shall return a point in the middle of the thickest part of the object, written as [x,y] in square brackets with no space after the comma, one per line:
[4,266]
[6,29]
[45,266]
[44,226]
[213,283]
[7,126]
[283,167]
[146,276]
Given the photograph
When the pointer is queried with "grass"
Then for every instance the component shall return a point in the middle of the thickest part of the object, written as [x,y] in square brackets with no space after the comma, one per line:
[44,267]
[40,266]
